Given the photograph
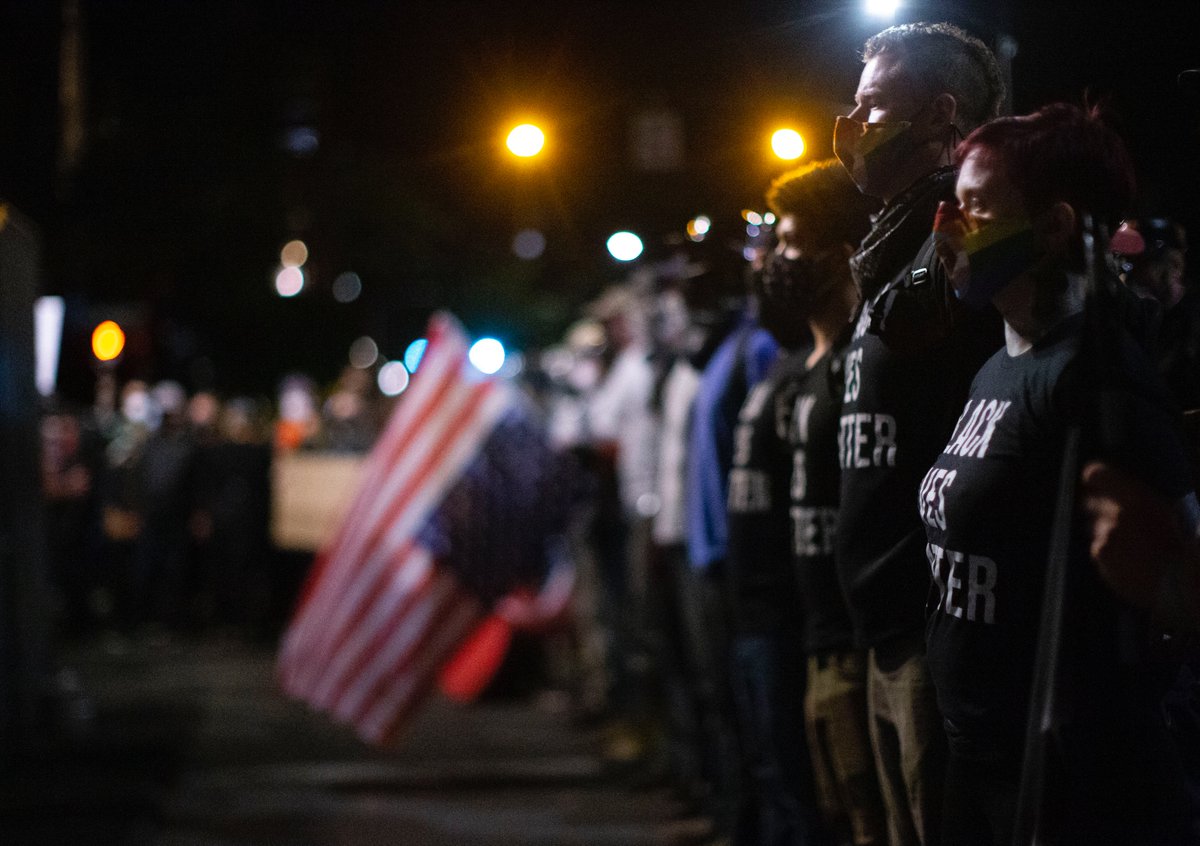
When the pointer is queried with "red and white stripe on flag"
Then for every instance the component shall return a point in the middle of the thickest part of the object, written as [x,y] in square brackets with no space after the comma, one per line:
[378,616]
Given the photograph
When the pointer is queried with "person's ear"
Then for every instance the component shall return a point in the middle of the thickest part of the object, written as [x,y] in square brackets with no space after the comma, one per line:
[943,110]
[1059,225]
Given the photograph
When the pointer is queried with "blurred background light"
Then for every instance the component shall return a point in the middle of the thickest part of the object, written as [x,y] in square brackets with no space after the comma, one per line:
[752,217]
[529,244]
[289,281]
[293,254]
[525,140]
[885,9]
[787,144]
[487,354]
[698,227]
[624,246]
[108,340]
[513,366]
[346,287]
[48,314]
[413,354]
[393,378]
[364,352]
[302,141]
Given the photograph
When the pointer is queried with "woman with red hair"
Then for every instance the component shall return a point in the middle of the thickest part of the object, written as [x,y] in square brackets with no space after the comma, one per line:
[1026,188]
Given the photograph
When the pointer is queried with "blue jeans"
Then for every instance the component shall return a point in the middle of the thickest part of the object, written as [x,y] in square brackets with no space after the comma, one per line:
[778,804]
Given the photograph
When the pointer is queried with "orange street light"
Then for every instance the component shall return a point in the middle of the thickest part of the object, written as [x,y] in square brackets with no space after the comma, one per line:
[108,340]
[787,144]
[525,140]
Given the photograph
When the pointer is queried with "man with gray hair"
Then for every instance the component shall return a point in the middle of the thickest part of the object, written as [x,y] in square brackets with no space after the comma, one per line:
[913,352]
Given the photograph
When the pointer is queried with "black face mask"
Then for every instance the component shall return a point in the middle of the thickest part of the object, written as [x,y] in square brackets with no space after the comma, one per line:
[789,291]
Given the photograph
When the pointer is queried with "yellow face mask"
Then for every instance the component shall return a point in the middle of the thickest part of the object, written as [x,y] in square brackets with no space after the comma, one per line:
[868,150]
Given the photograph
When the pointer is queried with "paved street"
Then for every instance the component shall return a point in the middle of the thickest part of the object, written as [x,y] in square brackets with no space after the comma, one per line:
[189,744]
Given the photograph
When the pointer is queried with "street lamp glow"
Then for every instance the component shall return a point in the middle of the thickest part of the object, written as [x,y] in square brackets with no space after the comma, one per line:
[698,227]
[787,144]
[882,8]
[624,246]
[526,140]
[487,354]
[108,340]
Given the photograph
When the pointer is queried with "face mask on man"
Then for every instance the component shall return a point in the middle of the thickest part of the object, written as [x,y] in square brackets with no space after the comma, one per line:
[982,260]
[869,150]
[872,152]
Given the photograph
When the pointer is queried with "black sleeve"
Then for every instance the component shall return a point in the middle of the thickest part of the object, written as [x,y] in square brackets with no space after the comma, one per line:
[919,310]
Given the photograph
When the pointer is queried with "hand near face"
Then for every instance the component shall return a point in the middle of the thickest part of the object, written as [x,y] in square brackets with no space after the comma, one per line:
[950,228]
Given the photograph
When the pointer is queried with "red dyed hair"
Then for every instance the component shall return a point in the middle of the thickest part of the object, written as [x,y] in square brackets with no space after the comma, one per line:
[1059,153]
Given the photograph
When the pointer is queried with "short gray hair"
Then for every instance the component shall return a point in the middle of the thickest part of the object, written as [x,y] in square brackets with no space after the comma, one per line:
[945,59]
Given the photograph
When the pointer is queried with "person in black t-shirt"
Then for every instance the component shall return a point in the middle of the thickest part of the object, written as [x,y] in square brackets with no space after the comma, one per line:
[911,356]
[804,297]
[807,297]
[988,502]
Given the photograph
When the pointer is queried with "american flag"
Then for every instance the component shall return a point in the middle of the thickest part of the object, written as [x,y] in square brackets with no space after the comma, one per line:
[380,613]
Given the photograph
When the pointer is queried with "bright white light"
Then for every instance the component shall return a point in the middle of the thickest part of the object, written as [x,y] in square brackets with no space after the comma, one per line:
[289,281]
[487,354]
[363,353]
[346,287]
[624,246]
[882,8]
[526,140]
[787,144]
[698,227]
[412,355]
[47,341]
[769,218]
[529,244]
[752,217]
[393,378]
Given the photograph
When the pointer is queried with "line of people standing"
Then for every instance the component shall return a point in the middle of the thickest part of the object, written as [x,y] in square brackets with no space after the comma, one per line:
[862,469]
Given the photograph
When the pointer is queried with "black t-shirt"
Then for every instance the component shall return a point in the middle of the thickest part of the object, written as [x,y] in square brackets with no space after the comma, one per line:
[762,579]
[816,486]
[900,403]
[988,505]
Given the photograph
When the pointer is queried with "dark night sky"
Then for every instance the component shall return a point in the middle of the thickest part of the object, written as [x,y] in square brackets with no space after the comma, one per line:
[186,191]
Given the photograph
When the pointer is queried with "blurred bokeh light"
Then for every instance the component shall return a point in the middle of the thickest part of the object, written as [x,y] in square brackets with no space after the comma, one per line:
[529,244]
[364,352]
[624,246]
[347,287]
[393,378]
[108,340]
[487,354]
[293,254]
[413,354]
[289,281]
